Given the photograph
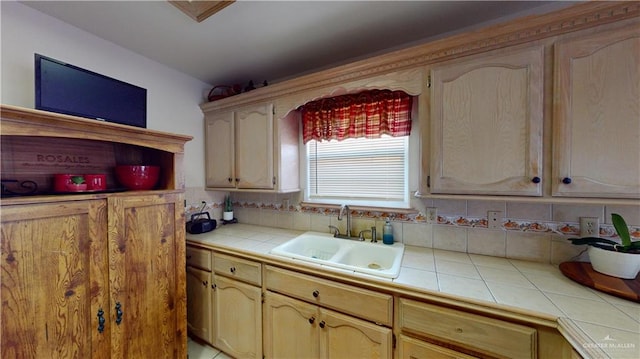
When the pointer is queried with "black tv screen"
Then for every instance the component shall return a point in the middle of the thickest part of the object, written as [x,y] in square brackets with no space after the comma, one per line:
[71,90]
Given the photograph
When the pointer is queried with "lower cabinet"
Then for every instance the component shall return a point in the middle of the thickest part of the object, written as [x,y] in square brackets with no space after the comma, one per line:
[199,293]
[237,306]
[96,278]
[296,329]
[249,309]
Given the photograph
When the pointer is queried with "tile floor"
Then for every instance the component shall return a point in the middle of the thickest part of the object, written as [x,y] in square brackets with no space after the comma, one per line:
[200,351]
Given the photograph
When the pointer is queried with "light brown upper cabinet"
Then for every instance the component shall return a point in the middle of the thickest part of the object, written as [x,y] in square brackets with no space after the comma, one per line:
[246,149]
[486,124]
[596,138]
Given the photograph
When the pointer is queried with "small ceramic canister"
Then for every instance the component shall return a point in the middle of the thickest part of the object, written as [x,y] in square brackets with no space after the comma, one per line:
[60,182]
[96,182]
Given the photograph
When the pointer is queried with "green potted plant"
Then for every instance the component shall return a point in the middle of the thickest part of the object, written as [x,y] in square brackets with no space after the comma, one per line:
[227,215]
[609,257]
[77,184]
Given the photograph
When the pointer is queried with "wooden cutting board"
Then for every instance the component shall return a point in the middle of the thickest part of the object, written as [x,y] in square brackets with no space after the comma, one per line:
[583,273]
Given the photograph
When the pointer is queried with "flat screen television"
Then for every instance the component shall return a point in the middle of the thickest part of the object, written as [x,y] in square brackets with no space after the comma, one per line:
[71,90]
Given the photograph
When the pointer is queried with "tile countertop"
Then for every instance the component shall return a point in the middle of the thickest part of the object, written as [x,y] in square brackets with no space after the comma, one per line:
[598,325]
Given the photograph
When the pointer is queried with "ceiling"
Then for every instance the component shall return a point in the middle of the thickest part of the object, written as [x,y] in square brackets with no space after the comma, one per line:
[276,40]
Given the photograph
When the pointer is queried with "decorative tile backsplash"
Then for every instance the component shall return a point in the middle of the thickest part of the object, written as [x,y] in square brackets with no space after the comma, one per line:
[530,231]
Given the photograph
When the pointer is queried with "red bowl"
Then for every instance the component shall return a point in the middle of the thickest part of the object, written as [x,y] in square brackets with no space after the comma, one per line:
[138,177]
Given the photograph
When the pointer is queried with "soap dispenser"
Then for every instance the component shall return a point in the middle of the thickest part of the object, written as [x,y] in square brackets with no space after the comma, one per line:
[387,233]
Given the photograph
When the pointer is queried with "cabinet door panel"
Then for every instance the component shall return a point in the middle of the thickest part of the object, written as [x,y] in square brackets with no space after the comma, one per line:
[597,115]
[147,271]
[254,147]
[348,337]
[199,303]
[486,118]
[54,280]
[237,318]
[219,151]
[290,328]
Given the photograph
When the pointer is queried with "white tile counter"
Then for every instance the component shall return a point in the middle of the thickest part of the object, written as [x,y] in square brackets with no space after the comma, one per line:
[598,325]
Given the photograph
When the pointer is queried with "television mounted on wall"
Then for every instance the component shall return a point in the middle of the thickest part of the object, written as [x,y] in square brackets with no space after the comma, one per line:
[68,89]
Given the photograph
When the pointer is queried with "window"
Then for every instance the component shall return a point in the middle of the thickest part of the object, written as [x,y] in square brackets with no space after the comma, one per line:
[359,171]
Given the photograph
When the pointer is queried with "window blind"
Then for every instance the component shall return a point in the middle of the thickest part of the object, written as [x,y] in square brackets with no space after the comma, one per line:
[361,169]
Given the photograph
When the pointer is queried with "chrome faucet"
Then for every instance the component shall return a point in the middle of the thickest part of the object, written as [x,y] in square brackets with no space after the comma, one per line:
[343,208]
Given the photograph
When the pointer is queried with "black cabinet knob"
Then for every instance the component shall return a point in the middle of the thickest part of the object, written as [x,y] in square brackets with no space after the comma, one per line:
[311,320]
[536,179]
[566,180]
[322,324]
[315,294]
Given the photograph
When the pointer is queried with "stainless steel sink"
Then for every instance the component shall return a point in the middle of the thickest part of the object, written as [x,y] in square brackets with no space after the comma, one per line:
[364,257]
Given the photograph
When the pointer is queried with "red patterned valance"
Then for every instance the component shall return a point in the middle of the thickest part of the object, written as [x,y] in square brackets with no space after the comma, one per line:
[367,114]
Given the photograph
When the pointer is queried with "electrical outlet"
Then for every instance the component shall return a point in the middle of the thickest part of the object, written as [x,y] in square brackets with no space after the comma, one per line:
[589,226]
[494,219]
[432,215]
[285,204]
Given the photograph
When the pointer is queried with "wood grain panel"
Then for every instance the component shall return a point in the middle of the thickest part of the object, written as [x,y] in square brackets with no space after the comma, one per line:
[54,281]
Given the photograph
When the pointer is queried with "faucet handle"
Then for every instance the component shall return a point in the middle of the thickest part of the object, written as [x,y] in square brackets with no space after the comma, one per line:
[361,234]
[334,229]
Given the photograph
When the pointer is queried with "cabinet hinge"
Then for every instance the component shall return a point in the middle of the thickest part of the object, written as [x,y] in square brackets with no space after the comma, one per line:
[262,300]
[429,81]
[274,180]
[429,181]
[393,341]
[273,110]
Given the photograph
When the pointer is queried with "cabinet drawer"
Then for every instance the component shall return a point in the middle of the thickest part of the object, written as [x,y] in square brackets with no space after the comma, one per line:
[471,331]
[198,257]
[241,269]
[410,348]
[359,302]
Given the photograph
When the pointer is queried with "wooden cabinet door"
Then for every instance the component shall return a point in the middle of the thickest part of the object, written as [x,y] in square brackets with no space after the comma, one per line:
[237,318]
[199,303]
[290,328]
[147,275]
[54,280]
[597,115]
[254,147]
[220,150]
[486,124]
[343,336]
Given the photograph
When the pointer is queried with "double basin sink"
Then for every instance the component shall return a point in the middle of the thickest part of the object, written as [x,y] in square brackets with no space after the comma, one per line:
[375,259]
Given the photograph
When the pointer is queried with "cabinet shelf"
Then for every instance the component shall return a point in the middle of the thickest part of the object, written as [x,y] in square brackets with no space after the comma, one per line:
[38,144]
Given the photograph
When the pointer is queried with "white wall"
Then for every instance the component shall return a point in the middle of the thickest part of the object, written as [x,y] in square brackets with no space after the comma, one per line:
[172,97]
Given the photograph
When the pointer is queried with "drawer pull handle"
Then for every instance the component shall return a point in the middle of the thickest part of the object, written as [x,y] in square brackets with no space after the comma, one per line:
[232,269]
[536,179]
[459,330]
[321,324]
[311,320]
[566,180]
[315,294]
